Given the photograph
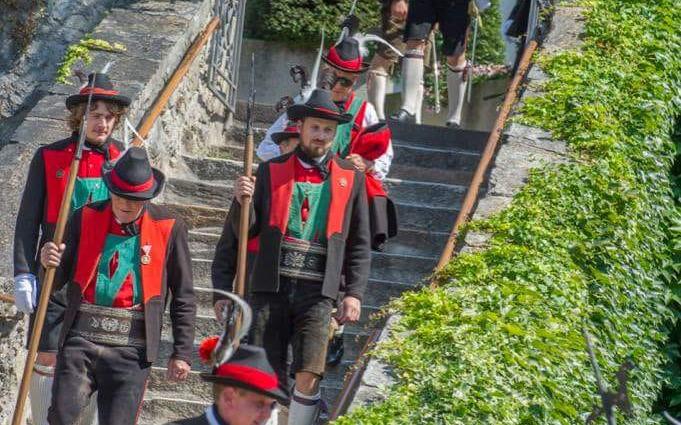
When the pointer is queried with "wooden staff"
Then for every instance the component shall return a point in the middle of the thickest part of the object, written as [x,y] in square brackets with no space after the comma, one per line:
[240,285]
[162,100]
[46,290]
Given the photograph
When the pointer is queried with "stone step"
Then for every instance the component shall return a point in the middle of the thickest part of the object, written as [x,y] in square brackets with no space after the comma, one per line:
[202,242]
[432,175]
[384,266]
[439,137]
[219,193]
[442,159]
[169,407]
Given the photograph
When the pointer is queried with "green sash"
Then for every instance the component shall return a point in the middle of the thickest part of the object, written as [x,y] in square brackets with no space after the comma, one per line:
[318,196]
[341,143]
[88,190]
[111,274]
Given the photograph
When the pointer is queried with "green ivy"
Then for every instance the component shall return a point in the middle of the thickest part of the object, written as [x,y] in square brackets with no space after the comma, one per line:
[81,51]
[593,242]
[302,21]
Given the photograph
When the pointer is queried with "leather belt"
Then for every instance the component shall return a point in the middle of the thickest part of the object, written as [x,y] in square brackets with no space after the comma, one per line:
[301,259]
[110,326]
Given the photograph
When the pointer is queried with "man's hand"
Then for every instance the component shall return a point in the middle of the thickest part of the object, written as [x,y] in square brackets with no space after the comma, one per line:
[244,187]
[399,9]
[361,164]
[349,310]
[50,255]
[178,370]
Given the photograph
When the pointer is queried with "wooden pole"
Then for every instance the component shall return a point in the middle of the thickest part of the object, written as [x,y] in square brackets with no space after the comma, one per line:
[240,285]
[46,291]
[487,156]
[162,100]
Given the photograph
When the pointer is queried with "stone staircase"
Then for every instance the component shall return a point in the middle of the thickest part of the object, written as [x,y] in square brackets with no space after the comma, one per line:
[430,173]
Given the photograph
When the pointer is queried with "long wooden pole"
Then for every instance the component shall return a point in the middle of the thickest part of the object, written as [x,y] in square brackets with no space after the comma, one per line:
[240,284]
[487,156]
[162,100]
[45,292]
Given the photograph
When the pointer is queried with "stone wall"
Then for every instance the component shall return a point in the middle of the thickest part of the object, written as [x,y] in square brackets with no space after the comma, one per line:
[522,149]
[156,34]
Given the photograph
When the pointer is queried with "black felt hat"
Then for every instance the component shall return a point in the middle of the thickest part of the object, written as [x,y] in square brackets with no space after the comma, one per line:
[132,177]
[346,56]
[103,90]
[291,130]
[319,105]
[249,369]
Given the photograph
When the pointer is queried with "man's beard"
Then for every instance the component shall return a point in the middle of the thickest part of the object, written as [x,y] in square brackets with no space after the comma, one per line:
[315,150]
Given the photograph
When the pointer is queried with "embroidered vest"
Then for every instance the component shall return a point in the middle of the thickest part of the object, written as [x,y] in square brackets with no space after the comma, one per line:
[152,242]
[89,185]
[282,183]
[344,136]
[313,227]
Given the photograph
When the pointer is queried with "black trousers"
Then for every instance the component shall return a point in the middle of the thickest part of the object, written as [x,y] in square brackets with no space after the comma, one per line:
[119,374]
[298,314]
[452,15]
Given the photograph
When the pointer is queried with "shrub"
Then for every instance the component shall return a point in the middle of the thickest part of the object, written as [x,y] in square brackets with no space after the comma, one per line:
[593,242]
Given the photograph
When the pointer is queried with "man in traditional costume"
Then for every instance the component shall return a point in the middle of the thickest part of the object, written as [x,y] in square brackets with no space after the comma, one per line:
[246,390]
[123,260]
[310,213]
[452,16]
[42,197]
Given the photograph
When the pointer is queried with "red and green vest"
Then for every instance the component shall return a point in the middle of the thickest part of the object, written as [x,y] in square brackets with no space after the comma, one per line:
[119,270]
[305,206]
[346,133]
[89,185]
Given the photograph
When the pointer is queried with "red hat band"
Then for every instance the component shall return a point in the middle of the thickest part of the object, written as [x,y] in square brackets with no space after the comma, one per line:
[131,188]
[291,129]
[248,375]
[96,90]
[353,64]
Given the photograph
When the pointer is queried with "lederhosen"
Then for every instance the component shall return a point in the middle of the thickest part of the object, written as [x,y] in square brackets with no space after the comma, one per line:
[393,32]
[40,203]
[112,323]
[310,213]
[451,15]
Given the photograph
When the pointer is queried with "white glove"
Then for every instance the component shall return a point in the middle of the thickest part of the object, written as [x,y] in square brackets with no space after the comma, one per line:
[25,292]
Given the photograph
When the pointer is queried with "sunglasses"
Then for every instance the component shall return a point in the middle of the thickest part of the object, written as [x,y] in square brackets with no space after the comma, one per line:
[343,81]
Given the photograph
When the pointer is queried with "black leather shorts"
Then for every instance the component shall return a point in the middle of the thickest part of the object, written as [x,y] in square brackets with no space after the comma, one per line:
[451,15]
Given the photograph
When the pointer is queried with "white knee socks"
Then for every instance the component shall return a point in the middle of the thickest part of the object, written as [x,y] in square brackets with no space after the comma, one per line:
[412,79]
[456,90]
[419,104]
[41,393]
[304,409]
[376,92]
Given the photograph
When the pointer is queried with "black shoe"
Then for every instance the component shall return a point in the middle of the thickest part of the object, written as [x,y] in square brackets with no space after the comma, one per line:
[335,351]
[404,116]
[453,125]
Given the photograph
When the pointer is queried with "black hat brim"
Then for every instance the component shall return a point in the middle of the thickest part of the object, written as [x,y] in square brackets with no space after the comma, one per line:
[361,69]
[151,193]
[278,394]
[75,99]
[300,111]
[279,137]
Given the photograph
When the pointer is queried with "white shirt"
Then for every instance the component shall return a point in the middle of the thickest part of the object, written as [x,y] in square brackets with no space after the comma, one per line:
[267,149]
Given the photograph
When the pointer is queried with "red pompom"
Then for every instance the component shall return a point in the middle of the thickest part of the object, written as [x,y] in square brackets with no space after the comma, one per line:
[206,348]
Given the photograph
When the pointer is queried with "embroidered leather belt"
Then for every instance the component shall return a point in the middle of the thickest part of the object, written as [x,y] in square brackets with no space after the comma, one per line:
[301,259]
[110,326]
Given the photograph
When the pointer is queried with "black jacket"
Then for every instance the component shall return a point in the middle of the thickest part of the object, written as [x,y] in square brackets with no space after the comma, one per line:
[348,251]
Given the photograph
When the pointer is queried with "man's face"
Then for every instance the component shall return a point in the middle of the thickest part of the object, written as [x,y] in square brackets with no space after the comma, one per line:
[241,407]
[126,210]
[344,83]
[288,145]
[100,123]
[316,136]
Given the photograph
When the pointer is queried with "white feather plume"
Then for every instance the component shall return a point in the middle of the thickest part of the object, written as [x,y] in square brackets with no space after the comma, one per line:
[363,39]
